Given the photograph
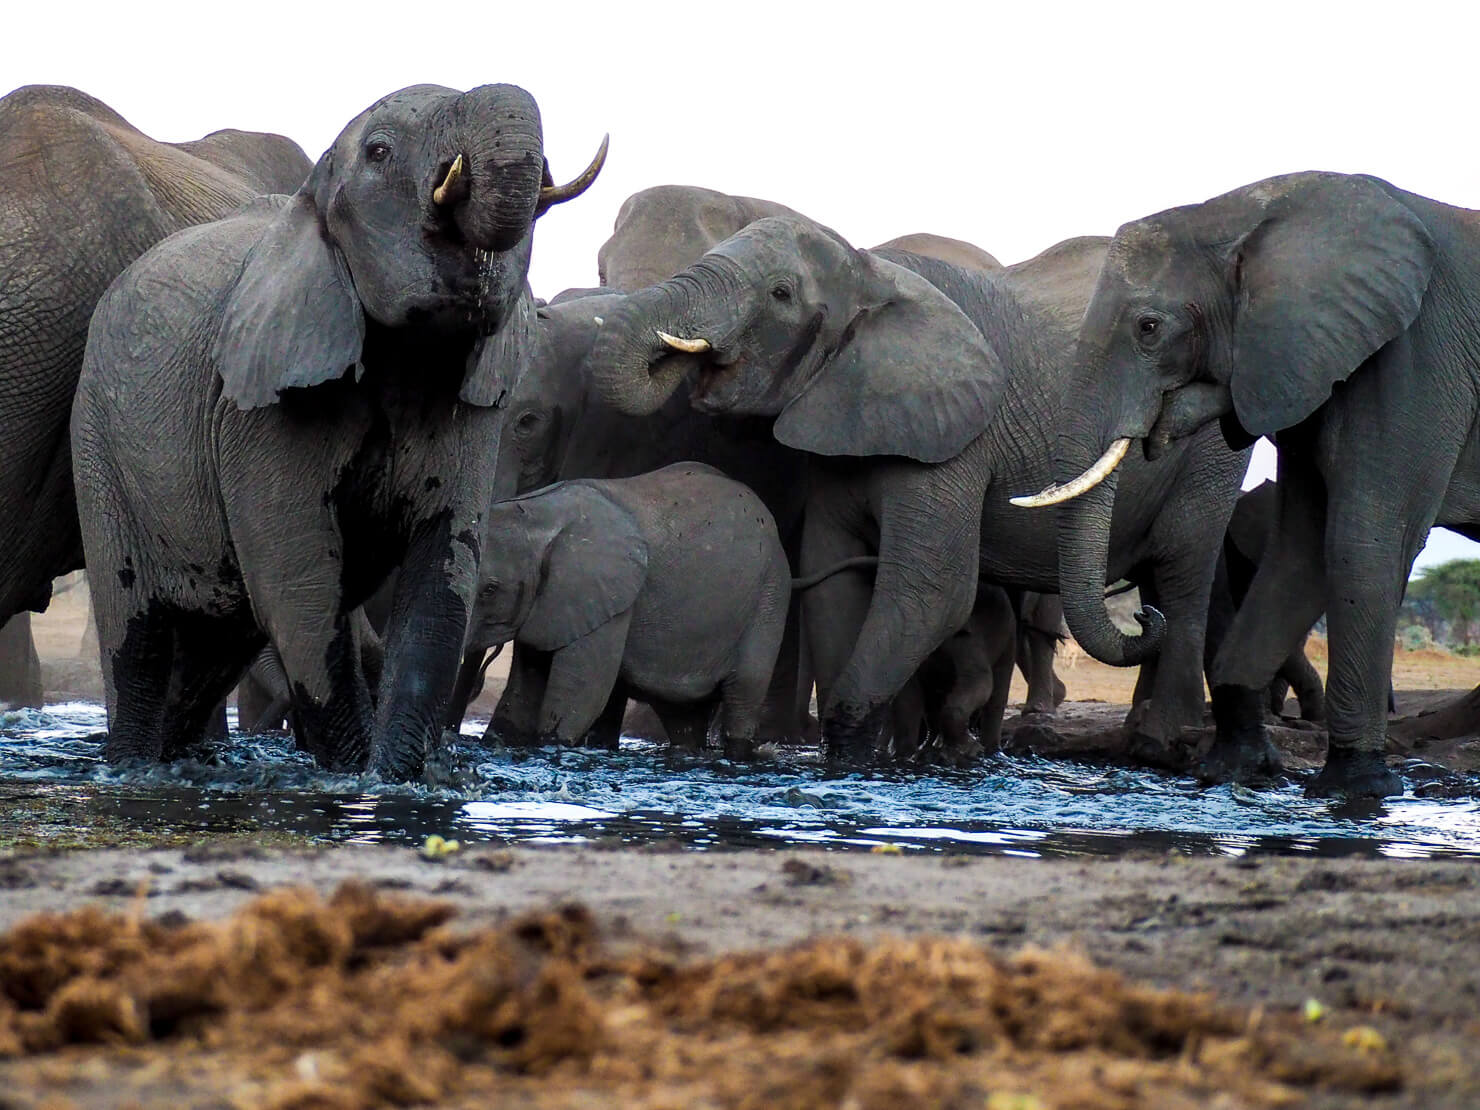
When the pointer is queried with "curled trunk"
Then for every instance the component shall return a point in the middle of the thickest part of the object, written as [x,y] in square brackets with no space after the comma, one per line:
[631,367]
[1084,550]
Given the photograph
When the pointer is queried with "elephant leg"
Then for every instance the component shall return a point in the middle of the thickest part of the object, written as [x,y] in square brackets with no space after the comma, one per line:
[263,697]
[516,718]
[1038,642]
[687,724]
[907,721]
[20,667]
[583,675]
[989,718]
[834,610]
[468,686]
[784,709]
[924,589]
[138,655]
[210,654]
[742,693]
[1285,596]
[333,727]
[606,733]
[1302,678]
[1145,580]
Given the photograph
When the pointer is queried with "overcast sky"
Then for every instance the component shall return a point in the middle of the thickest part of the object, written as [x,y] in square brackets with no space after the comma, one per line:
[1011,128]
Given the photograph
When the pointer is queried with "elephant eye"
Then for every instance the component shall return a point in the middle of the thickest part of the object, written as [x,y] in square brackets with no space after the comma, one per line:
[1148,326]
[528,420]
[377,151]
[781,293]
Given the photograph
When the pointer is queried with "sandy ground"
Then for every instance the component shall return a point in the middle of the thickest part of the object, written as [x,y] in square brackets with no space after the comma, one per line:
[1382,947]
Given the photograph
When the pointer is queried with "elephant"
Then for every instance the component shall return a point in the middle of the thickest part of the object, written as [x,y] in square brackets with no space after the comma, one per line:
[1244,545]
[671,586]
[963,682]
[888,369]
[20,666]
[264,698]
[83,195]
[1335,314]
[1040,620]
[329,369]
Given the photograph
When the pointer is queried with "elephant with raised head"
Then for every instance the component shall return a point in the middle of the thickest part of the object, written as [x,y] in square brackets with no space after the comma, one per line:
[1338,315]
[924,395]
[671,587]
[327,370]
[82,195]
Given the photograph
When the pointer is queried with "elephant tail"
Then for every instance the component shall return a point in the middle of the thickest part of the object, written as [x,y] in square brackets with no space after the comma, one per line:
[857,562]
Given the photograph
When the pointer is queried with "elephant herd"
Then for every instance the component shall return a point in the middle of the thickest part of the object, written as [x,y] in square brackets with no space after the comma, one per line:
[307,420]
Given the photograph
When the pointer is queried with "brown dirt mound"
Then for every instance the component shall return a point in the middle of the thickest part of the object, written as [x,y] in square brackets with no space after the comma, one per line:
[365,1000]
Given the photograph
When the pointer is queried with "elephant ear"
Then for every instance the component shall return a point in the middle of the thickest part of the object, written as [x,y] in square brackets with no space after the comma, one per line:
[912,376]
[594,567]
[292,320]
[1336,269]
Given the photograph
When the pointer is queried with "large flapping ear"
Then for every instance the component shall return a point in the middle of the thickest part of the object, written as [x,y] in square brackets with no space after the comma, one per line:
[594,567]
[498,361]
[911,376]
[292,320]
[1336,269]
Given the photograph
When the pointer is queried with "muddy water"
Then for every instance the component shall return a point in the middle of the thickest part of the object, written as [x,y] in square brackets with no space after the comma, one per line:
[1006,806]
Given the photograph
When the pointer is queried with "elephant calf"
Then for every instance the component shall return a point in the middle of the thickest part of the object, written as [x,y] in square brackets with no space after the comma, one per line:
[670,586]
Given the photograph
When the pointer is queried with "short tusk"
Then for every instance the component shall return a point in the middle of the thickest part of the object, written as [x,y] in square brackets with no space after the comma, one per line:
[687,346]
[454,171]
[551,195]
[1087,481]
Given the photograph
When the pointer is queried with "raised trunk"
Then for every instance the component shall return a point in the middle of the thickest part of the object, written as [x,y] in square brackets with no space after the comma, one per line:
[1084,551]
[496,129]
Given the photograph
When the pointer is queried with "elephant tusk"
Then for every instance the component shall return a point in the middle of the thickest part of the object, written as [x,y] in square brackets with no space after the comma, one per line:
[454,171]
[687,346]
[1056,494]
[551,195]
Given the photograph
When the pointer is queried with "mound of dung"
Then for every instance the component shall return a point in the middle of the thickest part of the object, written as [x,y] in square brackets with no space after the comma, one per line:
[365,1000]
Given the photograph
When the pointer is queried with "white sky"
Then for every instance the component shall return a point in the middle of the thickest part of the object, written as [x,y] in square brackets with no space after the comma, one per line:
[1011,126]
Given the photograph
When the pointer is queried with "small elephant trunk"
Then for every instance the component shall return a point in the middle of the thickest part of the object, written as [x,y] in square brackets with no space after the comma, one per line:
[630,367]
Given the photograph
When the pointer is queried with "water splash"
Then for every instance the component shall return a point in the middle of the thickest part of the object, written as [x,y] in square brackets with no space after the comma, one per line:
[1015,806]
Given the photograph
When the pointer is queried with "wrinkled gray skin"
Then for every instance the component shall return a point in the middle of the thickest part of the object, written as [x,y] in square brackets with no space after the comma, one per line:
[83,194]
[20,667]
[264,698]
[1337,315]
[887,381]
[1244,546]
[326,368]
[1040,622]
[671,587]
[964,683]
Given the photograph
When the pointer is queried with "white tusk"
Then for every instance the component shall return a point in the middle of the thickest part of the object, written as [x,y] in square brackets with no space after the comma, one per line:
[687,346]
[598,321]
[454,171]
[1087,481]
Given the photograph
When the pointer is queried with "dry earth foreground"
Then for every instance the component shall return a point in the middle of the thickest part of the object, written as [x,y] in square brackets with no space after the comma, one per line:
[364,999]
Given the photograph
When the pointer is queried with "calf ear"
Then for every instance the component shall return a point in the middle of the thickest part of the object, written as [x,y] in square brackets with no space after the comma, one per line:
[594,567]
[292,319]
[1335,269]
[912,376]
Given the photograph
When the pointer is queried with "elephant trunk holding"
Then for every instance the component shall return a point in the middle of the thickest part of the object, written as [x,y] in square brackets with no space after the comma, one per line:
[332,365]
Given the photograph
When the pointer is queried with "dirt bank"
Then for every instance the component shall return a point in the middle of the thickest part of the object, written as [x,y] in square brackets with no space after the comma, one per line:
[644,997]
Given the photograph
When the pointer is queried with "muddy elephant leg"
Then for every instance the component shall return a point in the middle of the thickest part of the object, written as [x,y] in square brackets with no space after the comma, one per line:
[516,718]
[583,675]
[210,654]
[1286,595]
[138,653]
[20,667]
[606,732]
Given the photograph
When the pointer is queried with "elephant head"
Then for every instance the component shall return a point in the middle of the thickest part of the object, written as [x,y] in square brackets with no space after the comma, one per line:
[1249,309]
[852,354]
[558,564]
[418,217]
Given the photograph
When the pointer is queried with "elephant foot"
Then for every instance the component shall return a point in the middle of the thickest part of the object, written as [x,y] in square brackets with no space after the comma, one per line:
[1354,773]
[1038,709]
[508,735]
[852,741]
[1033,736]
[1155,752]
[739,748]
[1248,761]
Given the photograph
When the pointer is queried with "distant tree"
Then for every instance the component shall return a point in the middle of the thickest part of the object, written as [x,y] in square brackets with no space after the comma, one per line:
[1452,589]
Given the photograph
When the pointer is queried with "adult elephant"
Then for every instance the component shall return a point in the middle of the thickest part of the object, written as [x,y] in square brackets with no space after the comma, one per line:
[888,369]
[82,195]
[1338,315]
[328,368]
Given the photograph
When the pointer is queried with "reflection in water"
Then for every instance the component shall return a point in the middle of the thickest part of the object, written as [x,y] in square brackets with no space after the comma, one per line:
[1022,807]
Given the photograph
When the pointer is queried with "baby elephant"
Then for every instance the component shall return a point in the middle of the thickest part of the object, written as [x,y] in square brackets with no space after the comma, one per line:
[671,587]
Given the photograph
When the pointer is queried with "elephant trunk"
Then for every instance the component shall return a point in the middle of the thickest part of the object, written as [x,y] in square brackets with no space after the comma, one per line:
[491,178]
[1084,525]
[633,368]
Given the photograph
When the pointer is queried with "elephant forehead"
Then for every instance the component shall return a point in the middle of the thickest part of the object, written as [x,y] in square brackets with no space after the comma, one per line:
[783,243]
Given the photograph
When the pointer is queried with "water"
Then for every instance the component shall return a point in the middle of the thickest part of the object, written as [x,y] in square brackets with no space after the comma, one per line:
[644,794]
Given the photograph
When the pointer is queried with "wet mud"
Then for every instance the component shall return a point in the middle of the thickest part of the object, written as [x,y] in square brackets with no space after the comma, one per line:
[364,999]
